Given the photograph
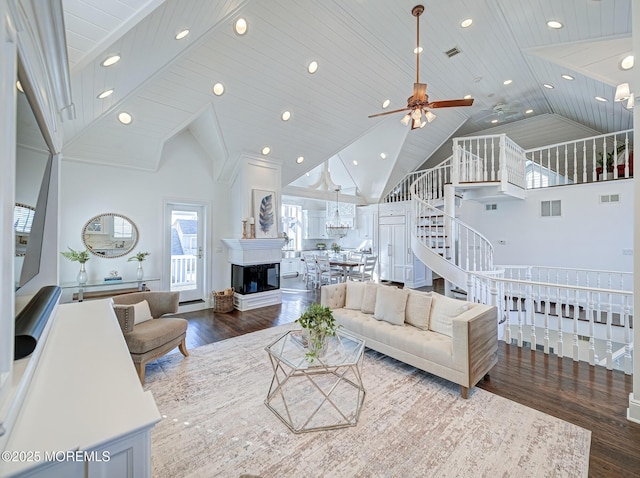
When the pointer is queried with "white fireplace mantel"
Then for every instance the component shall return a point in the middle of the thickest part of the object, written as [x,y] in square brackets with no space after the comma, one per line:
[246,252]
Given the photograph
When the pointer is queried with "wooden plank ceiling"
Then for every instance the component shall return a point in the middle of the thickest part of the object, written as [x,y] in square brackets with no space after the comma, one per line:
[365,55]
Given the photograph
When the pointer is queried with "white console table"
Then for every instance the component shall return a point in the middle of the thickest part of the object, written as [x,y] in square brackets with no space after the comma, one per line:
[84,397]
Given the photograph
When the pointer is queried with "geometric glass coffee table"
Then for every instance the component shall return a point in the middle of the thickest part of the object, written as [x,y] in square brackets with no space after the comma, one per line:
[322,394]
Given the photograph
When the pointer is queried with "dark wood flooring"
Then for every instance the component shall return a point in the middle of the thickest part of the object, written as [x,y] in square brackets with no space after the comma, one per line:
[590,397]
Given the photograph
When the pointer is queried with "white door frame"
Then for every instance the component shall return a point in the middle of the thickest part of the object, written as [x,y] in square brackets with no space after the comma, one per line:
[203,231]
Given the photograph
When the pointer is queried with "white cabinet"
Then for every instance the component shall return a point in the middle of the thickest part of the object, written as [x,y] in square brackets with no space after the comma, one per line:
[393,250]
[366,223]
[290,266]
[315,223]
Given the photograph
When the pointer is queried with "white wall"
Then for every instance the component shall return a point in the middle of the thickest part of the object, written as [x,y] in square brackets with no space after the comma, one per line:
[183,176]
[587,235]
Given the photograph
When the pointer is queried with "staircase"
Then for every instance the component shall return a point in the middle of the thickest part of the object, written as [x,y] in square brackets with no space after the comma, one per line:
[491,166]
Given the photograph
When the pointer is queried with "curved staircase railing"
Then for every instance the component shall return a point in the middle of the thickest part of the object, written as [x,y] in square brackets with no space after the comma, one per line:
[446,245]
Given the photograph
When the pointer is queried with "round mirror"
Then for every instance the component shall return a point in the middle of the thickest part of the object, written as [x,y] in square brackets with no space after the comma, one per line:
[110,235]
[22,220]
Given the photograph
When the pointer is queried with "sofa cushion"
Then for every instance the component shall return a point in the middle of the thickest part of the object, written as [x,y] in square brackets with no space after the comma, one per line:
[369,297]
[443,309]
[355,294]
[391,304]
[418,309]
[141,312]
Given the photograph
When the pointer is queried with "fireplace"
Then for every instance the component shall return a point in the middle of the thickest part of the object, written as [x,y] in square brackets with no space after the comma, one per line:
[251,279]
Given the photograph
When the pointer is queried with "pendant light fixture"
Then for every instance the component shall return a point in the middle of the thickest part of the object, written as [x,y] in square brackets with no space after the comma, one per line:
[335,228]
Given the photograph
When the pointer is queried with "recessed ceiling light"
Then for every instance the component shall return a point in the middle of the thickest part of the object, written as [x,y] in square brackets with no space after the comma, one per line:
[308,174]
[529,111]
[466,23]
[547,85]
[507,82]
[554,24]
[466,97]
[182,34]
[266,150]
[494,121]
[300,159]
[125,118]
[355,162]
[19,86]
[386,103]
[627,62]
[313,67]
[600,98]
[567,77]
[218,89]
[417,50]
[105,94]
[241,26]
[286,115]
[111,60]
[383,155]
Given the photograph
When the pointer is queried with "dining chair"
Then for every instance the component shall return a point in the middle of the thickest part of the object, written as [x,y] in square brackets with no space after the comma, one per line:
[310,270]
[366,271]
[326,273]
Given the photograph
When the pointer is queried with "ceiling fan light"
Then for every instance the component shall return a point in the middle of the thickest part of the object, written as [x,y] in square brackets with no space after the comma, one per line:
[430,116]
[405,119]
[622,92]
[416,114]
[423,124]
[416,123]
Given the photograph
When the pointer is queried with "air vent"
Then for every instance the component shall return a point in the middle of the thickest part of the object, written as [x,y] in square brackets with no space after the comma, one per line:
[609,198]
[491,207]
[453,52]
[550,208]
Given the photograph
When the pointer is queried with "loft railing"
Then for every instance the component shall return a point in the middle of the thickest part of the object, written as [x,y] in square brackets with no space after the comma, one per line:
[488,158]
[587,160]
[595,321]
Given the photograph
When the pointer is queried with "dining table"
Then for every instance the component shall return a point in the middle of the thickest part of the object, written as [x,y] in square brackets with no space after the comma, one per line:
[346,264]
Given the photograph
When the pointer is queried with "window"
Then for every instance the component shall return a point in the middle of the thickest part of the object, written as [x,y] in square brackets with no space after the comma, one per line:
[550,208]
[491,207]
[292,225]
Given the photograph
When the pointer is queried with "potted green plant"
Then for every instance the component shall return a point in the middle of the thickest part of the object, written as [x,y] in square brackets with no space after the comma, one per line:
[81,257]
[318,324]
[140,257]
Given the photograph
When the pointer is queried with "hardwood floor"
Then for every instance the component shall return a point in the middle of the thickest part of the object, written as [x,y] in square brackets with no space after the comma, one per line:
[590,397]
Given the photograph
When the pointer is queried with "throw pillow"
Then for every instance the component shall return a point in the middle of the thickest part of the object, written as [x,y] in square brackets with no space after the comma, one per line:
[355,293]
[141,312]
[418,309]
[369,298]
[391,304]
[443,309]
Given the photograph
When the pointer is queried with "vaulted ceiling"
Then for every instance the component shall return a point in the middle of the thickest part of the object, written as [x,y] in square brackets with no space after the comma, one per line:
[364,49]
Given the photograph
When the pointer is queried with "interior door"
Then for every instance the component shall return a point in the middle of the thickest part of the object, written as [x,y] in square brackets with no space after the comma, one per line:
[185,251]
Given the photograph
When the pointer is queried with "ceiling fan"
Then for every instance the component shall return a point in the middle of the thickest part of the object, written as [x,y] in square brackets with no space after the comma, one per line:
[419,103]
[501,112]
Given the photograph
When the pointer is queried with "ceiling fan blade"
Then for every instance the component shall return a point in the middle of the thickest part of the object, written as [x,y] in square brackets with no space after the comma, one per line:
[450,103]
[389,112]
[420,91]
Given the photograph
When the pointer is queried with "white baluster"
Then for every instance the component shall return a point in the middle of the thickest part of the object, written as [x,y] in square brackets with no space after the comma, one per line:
[576,314]
[547,305]
[609,326]
[584,162]
[593,358]
[520,318]
[628,360]
[575,163]
[508,301]
[560,347]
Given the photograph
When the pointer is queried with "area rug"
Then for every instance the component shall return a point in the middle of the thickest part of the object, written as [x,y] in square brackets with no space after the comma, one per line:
[412,424]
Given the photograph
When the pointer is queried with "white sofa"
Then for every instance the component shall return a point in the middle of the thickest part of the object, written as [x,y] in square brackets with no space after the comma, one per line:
[456,340]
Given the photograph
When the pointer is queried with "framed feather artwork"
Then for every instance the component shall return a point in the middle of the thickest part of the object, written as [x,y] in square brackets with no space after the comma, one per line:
[265,212]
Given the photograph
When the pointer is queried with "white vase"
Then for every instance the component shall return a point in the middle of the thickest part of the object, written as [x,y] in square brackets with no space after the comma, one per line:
[82,275]
[140,271]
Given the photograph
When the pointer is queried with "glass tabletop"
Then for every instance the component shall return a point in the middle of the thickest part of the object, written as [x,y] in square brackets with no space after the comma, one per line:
[342,350]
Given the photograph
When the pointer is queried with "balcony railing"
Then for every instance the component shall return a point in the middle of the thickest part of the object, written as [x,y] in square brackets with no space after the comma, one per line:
[183,272]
